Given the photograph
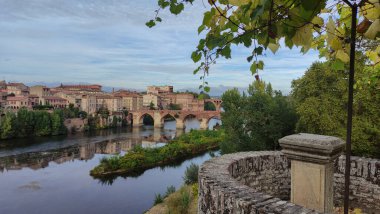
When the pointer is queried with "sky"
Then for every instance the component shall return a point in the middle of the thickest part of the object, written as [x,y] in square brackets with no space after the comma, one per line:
[106,42]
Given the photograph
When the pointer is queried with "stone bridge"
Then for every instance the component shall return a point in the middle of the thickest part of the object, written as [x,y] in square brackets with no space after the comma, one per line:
[180,117]
[217,103]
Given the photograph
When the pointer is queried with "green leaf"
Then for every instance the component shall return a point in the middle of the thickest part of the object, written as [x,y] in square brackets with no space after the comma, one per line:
[150,24]
[207,89]
[258,11]
[249,59]
[196,56]
[337,65]
[260,65]
[201,28]
[273,47]
[176,8]
[258,50]
[197,70]
[253,68]
[163,3]
[343,56]
[226,52]
[207,17]
[158,19]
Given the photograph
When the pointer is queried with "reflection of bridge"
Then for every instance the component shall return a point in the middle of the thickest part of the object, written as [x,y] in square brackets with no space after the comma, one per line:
[180,117]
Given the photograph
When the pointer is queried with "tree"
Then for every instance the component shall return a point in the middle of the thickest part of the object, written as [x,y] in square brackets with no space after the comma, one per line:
[25,122]
[173,106]
[43,123]
[321,98]
[255,121]
[57,123]
[209,106]
[7,127]
[151,106]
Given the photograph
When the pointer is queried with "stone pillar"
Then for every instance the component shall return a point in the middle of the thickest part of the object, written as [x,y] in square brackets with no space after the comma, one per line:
[158,121]
[180,124]
[136,121]
[204,124]
[312,169]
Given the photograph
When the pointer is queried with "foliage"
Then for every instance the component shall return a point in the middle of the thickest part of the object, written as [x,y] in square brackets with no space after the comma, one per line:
[42,107]
[173,106]
[209,106]
[8,126]
[260,25]
[191,174]
[256,120]
[169,190]
[321,102]
[32,123]
[140,159]
[103,112]
[151,106]
[183,201]
[158,199]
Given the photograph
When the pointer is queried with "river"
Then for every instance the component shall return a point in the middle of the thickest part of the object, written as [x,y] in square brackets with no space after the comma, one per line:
[51,174]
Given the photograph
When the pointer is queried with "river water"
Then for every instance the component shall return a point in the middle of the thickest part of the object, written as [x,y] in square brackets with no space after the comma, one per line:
[51,175]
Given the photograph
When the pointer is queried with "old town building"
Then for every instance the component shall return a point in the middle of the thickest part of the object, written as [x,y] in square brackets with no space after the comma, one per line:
[159,90]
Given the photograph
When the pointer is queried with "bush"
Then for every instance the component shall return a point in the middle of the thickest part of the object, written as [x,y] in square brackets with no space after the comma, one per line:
[191,174]
[169,190]
[158,199]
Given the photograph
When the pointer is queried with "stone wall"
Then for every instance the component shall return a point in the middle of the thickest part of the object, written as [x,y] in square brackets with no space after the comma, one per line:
[259,182]
[75,124]
[365,183]
[246,183]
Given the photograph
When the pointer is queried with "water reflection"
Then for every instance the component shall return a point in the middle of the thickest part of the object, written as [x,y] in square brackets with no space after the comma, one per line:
[51,174]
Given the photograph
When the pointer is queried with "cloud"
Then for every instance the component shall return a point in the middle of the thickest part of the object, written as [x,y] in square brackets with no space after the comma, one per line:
[107,42]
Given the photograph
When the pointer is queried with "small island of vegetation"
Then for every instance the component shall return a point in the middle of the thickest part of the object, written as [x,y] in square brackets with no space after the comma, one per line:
[139,159]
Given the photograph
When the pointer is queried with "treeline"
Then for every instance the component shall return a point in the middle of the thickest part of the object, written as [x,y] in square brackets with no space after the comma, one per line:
[317,104]
[27,123]
[257,119]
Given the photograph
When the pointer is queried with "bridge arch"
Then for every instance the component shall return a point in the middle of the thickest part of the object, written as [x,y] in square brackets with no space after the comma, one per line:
[146,118]
[168,116]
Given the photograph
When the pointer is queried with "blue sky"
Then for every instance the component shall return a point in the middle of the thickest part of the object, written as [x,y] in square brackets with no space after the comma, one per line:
[107,42]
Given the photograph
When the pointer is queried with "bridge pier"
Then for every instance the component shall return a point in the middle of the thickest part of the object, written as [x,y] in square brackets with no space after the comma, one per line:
[180,124]
[158,122]
[204,124]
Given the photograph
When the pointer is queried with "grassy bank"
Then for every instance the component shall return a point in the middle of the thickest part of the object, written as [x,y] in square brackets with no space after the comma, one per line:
[183,201]
[140,159]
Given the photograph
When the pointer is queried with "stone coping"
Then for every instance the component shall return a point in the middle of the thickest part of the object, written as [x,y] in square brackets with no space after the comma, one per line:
[313,148]
[220,192]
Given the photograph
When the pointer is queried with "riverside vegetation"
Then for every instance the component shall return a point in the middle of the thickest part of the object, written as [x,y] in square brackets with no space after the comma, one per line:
[139,159]
[183,201]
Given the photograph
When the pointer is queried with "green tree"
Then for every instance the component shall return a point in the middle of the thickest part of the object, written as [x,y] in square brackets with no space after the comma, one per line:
[43,123]
[25,122]
[151,106]
[8,126]
[321,99]
[57,123]
[255,121]
[209,106]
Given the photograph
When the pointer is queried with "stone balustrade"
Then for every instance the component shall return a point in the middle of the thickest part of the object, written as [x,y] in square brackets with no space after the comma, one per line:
[259,182]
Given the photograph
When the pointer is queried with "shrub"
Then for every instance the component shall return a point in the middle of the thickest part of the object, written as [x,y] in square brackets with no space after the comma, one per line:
[169,190]
[158,199]
[191,174]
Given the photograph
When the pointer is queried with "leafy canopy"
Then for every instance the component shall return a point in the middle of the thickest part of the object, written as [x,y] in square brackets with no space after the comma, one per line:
[269,24]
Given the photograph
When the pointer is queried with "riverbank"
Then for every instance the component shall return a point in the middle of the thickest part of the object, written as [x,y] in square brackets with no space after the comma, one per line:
[183,201]
[140,159]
